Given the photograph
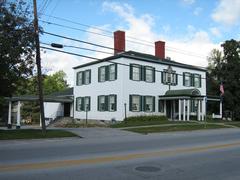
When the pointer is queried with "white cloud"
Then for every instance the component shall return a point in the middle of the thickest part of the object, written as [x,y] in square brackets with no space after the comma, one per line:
[188,1]
[215,31]
[197,11]
[227,12]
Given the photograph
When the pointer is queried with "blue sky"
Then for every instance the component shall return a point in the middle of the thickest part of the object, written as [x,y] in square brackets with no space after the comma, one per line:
[191,28]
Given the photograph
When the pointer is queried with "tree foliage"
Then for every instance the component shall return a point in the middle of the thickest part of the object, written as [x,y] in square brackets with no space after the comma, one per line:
[16,44]
[226,69]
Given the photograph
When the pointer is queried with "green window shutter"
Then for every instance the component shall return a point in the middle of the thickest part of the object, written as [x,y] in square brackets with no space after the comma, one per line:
[176,79]
[77,80]
[99,74]
[192,79]
[130,102]
[98,103]
[131,71]
[90,76]
[116,71]
[106,104]
[142,103]
[76,104]
[89,107]
[106,73]
[154,74]
[142,73]
[153,104]
[162,77]
[83,77]
[184,79]
[115,101]
[200,81]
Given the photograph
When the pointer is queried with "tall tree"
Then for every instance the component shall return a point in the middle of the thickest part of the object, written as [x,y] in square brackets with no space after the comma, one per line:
[226,70]
[16,44]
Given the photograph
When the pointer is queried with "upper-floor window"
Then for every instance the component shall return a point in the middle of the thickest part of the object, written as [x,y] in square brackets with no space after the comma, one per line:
[83,77]
[107,73]
[191,80]
[187,79]
[197,80]
[169,78]
[83,103]
[149,74]
[142,73]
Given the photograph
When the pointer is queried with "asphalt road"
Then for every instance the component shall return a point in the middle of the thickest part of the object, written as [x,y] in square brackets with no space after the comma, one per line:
[209,154]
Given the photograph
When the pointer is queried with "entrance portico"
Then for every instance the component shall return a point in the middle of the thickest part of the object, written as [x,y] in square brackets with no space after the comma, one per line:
[183,104]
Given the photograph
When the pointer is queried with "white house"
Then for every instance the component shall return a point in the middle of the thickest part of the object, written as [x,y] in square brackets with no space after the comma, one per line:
[130,83]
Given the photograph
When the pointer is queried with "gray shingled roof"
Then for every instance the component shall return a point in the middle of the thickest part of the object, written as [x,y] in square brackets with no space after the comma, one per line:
[143,57]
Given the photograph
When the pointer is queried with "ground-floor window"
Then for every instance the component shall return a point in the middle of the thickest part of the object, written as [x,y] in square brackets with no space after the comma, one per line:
[141,103]
[83,103]
[107,102]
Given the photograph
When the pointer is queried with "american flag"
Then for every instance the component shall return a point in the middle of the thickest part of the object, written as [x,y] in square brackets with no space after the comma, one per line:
[221,89]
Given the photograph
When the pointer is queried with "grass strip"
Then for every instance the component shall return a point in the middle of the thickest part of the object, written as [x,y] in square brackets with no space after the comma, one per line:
[33,134]
[184,127]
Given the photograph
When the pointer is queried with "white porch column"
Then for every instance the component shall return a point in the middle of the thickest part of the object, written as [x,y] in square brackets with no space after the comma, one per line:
[220,110]
[198,118]
[188,109]
[203,109]
[179,110]
[165,108]
[40,122]
[184,110]
[10,114]
[18,115]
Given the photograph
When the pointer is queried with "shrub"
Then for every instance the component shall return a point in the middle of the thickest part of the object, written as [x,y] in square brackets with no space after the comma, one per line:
[145,118]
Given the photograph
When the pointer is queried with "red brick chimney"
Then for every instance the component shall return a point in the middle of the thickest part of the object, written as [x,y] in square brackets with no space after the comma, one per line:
[119,42]
[160,49]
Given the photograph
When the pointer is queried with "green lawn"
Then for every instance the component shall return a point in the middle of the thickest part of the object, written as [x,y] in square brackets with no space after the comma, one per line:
[33,134]
[146,121]
[183,127]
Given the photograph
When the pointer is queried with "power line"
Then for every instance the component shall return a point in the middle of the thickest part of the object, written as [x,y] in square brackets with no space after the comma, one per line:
[109,61]
[77,47]
[130,37]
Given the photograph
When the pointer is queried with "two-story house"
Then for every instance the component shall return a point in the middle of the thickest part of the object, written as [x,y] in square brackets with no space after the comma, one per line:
[130,83]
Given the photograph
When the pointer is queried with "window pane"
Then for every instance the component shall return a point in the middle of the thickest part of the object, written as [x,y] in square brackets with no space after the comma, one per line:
[161,106]
[112,103]
[112,72]
[87,103]
[196,80]
[149,74]
[135,103]
[102,103]
[87,77]
[149,104]
[80,78]
[102,73]
[136,73]
[187,79]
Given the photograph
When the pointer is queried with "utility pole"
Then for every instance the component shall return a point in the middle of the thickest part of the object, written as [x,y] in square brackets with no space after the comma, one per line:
[39,71]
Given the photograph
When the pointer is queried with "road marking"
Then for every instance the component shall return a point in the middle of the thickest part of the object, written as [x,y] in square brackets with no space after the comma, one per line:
[106,159]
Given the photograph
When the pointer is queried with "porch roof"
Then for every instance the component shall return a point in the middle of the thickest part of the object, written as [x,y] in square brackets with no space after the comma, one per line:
[183,92]
[45,98]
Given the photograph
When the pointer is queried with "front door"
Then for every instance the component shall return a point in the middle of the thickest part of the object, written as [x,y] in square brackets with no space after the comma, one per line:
[67,109]
[169,109]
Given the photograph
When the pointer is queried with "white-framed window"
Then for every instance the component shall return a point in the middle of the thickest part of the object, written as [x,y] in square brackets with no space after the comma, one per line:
[187,79]
[87,103]
[169,78]
[112,103]
[135,103]
[79,78]
[112,72]
[83,77]
[197,80]
[87,77]
[149,74]
[149,103]
[136,72]
[102,74]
